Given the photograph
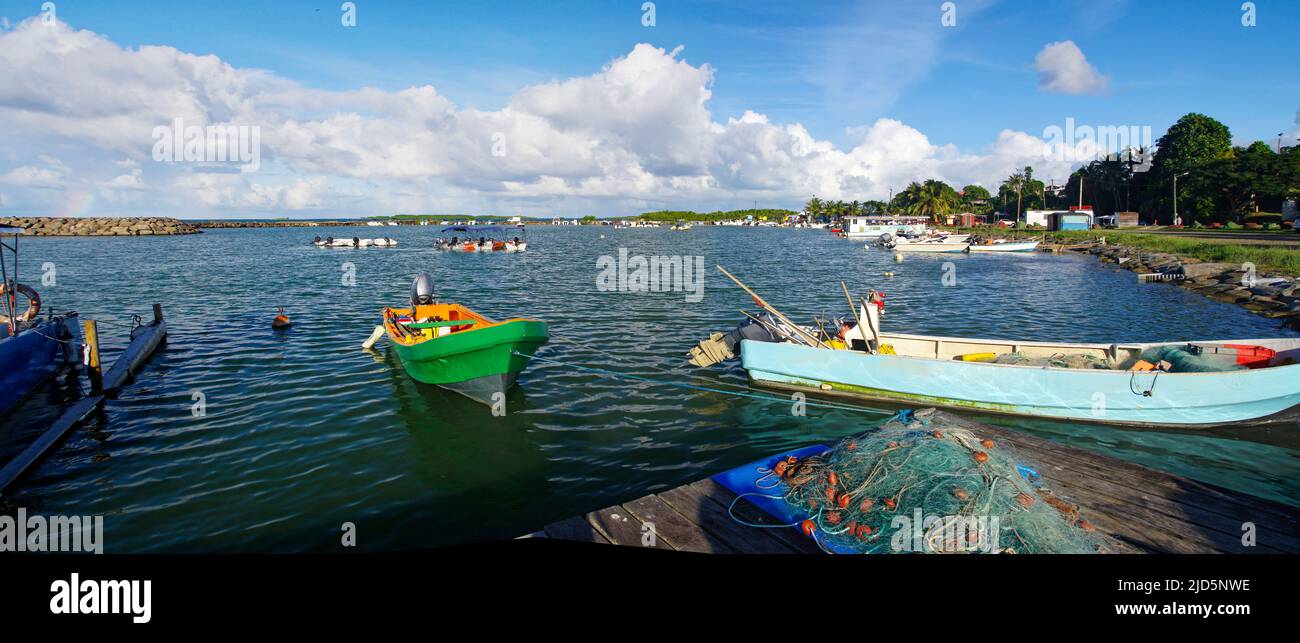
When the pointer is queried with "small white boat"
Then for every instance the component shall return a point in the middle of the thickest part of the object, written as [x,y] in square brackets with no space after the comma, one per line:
[355,242]
[516,247]
[1005,246]
[929,245]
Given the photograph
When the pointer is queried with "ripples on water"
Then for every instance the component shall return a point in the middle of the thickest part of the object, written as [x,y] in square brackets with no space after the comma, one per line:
[305,431]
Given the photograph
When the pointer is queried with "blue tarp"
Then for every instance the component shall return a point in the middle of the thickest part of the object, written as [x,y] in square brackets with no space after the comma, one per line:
[743,480]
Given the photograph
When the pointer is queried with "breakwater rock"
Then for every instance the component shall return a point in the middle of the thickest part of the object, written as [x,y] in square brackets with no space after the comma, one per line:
[1270,295]
[99,226]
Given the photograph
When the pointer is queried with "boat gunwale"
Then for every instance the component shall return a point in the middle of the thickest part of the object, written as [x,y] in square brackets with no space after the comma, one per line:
[1105,347]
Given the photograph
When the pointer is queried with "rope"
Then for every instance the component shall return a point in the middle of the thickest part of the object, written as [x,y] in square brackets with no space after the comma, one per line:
[706,389]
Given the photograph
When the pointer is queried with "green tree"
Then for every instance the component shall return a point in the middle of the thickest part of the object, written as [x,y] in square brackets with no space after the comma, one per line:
[1191,143]
[933,199]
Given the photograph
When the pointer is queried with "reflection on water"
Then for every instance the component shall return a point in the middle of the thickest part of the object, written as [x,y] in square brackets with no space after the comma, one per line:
[304,430]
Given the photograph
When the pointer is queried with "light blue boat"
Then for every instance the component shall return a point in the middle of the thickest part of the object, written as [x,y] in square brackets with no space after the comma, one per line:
[931,371]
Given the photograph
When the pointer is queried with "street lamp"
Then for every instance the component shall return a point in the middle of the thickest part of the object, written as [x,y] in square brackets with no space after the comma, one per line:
[1176,222]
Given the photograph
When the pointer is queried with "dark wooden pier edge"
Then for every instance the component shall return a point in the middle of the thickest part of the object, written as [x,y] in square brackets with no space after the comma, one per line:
[1137,509]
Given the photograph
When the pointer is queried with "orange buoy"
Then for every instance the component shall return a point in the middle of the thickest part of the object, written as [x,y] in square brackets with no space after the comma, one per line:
[808,527]
[281,321]
[833,517]
[863,531]
[890,503]
[852,446]
[833,479]
[780,468]
[830,494]
[938,434]
[866,505]
[981,456]
[986,443]
[843,501]
[960,494]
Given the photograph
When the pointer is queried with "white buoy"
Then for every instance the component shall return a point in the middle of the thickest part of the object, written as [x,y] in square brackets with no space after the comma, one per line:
[898,256]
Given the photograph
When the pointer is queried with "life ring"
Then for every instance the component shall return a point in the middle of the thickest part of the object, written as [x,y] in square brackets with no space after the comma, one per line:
[33,303]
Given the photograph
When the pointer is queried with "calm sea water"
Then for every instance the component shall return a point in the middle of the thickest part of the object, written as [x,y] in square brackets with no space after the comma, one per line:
[305,431]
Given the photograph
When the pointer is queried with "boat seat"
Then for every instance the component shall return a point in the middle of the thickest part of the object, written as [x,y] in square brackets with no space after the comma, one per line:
[441,324]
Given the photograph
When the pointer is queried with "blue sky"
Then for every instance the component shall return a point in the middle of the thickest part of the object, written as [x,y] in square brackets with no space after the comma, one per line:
[836,68]
[1165,58]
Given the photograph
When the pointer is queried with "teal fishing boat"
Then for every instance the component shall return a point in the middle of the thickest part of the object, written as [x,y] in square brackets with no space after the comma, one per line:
[1163,384]
[1114,388]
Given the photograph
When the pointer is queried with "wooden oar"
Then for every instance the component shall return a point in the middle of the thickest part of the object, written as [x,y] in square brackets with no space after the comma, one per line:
[861,328]
[768,307]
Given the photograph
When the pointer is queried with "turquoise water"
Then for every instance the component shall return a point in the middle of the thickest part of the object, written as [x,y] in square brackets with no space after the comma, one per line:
[304,431]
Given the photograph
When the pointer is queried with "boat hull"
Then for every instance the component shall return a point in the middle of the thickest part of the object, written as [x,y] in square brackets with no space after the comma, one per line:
[33,356]
[1028,246]
[942,247]
[476,363]
[1189,400]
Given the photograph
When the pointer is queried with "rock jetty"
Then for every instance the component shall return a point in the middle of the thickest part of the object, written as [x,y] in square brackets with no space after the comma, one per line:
[99,226]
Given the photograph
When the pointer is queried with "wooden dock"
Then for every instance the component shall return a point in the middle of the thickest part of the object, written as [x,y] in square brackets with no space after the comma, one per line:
[1137,509]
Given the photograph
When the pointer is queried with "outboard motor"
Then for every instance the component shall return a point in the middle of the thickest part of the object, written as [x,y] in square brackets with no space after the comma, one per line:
[422,290]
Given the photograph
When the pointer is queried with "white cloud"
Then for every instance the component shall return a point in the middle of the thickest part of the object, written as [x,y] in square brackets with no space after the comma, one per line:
[1063,68]
[635,135]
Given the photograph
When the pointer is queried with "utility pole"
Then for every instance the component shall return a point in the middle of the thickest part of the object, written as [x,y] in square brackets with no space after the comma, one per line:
[1175,221]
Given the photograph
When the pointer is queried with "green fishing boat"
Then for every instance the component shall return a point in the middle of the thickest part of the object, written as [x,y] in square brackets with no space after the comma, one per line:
[451,346]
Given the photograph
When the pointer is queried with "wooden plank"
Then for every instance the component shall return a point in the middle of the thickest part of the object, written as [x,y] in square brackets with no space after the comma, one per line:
[575,528]
[747,511]
[15,468]
[672,526]
[1143,479]
[1140,515]
[144,340]
[621,527]
[713,517]
[1274,536]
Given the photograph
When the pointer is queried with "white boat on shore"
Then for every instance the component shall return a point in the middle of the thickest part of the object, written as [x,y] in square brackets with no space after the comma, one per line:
[1005,246]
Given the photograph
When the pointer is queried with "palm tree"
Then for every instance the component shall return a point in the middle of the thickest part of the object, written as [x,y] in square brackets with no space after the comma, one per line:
[930,199]
[1016,182]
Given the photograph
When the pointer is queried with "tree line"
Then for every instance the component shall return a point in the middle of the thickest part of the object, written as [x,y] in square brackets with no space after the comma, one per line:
[1216,183]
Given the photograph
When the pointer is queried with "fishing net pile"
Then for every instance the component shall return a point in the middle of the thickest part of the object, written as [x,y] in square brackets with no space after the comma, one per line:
[1059,360]
[1183,360]
[915,486]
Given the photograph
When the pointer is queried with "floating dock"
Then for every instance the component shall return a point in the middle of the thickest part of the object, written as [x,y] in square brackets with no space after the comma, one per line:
[144,340]
[1137,509]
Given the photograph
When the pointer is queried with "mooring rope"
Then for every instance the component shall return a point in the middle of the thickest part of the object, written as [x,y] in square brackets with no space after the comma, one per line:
[706,389]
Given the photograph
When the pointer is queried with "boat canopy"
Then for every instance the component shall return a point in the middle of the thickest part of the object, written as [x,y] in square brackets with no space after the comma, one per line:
[479,228]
